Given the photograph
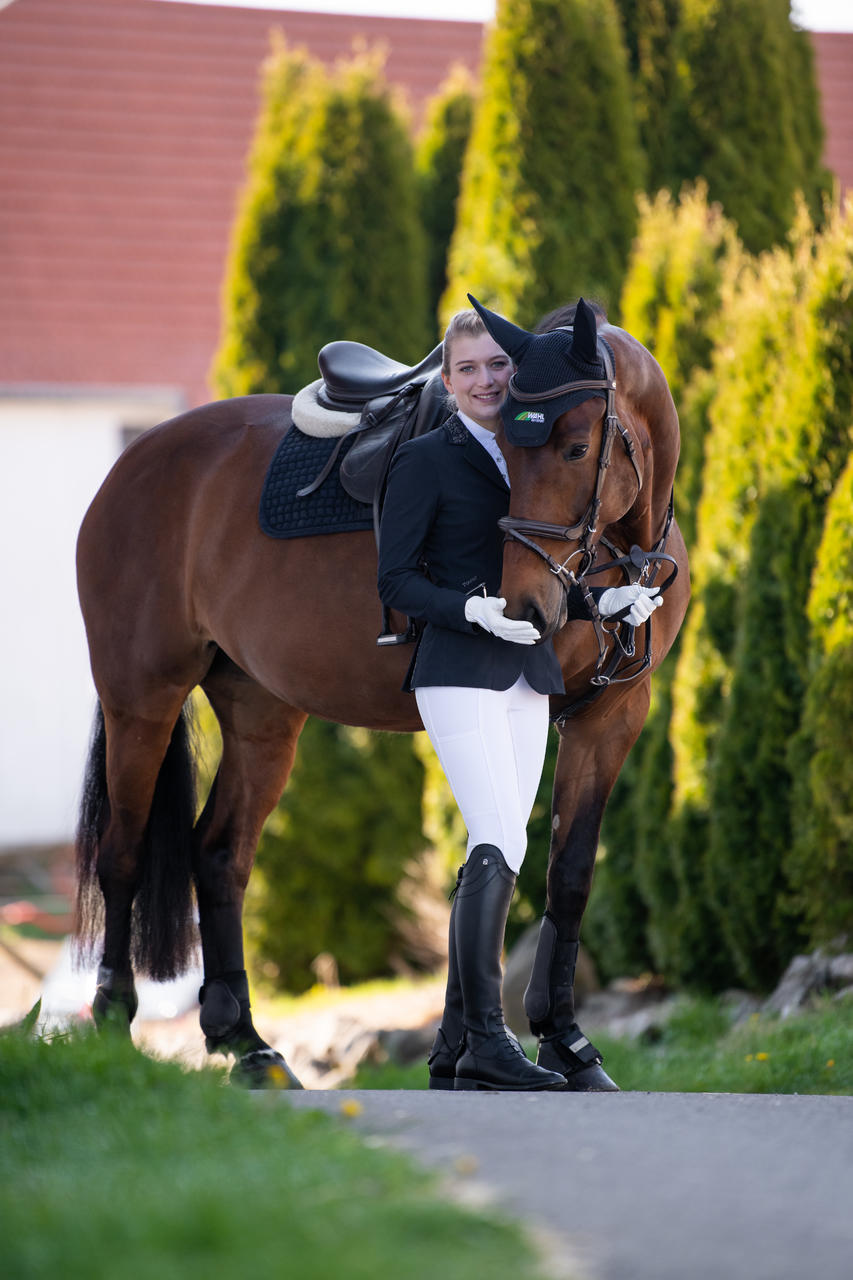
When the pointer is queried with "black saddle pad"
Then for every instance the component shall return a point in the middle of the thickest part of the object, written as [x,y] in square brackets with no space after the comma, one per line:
[297,461]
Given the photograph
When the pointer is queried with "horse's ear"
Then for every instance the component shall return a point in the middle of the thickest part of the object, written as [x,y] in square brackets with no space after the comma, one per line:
[584,345]
[508,336]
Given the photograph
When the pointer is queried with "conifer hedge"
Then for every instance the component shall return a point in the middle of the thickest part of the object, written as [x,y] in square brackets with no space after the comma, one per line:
[819,866]
[439,159]
[332,857]
[670,302]
[328,244]
[746,114]
[328,241]
[781,424]
[547,203]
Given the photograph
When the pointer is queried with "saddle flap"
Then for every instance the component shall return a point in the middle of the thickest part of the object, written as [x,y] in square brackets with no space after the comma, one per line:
[366,464]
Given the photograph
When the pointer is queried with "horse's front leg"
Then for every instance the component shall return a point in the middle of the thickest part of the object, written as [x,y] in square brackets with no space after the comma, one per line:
[592,751]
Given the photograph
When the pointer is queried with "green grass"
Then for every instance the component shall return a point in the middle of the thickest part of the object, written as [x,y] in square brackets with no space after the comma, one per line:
[699,1052]
[113,1165]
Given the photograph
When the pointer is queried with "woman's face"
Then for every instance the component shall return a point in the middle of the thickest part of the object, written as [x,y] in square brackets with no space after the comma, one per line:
[479,374]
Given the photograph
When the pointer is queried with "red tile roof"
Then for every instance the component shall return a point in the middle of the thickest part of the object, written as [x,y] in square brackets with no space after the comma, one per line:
[124,129]
[834,66]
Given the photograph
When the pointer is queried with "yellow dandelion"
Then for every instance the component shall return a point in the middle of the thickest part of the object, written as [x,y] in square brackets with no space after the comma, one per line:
[762,1057]
[351,1107]
[831,1062]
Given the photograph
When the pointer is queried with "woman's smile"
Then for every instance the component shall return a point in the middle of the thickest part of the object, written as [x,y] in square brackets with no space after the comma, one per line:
[479,376]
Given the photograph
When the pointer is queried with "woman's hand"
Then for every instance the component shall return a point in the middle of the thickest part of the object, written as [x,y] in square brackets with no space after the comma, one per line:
[642,601]
[488,612]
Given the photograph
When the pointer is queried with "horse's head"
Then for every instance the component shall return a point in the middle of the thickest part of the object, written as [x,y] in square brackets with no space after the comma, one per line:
[574,467]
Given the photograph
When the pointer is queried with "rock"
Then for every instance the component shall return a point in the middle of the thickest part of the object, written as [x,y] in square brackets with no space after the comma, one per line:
[630,1008]
[807,977]
[740,1005]
[517,975]
[409,1045]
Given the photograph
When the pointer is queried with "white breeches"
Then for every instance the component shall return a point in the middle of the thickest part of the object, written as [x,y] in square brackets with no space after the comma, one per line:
[491,745]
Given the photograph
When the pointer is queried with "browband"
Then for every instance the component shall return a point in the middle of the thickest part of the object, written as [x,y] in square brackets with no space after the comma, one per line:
[586,384]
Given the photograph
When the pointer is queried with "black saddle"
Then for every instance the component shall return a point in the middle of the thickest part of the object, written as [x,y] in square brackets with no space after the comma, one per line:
[353,374]
[397,403]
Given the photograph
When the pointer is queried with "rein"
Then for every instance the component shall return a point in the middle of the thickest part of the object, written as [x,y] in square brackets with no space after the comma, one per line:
[636,565]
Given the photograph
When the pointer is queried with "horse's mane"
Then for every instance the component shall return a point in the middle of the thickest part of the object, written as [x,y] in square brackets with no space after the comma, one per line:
[565,315]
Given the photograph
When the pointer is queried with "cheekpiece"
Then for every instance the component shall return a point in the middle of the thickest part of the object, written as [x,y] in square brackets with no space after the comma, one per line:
[546,366]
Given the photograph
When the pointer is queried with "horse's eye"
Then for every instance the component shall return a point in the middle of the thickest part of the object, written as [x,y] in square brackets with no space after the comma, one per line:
[575,451]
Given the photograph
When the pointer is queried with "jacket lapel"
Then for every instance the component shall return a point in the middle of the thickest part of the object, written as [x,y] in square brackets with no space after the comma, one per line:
[474,453]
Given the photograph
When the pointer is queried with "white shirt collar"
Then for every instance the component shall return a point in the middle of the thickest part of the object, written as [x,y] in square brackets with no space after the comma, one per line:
[487,439]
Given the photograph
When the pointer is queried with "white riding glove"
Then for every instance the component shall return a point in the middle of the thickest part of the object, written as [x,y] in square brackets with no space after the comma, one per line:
[643,602]
[488,613]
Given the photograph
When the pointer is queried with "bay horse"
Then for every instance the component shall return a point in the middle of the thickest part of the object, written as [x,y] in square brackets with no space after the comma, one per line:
[179,589]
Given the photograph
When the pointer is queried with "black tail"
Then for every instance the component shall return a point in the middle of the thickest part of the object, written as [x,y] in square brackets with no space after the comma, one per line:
[163,936]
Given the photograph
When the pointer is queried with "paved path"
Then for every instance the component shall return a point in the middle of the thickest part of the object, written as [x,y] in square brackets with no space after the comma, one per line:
[636,1186]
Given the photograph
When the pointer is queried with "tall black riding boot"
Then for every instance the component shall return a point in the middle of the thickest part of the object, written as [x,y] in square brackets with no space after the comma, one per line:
[447,1045]
[549,1003]
[492,1057]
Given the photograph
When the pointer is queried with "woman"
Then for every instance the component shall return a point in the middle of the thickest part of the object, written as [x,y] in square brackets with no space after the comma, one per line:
[481,682]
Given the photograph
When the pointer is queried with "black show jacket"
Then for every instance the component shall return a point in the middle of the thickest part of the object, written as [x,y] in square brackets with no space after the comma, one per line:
[444,498]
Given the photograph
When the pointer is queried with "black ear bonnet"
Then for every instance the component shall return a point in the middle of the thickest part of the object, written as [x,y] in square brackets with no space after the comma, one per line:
[543,362]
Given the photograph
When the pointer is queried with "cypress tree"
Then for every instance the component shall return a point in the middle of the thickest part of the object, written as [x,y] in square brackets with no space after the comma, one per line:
[650,28]
[547,203]
[439,159]
[670,302]
[805,446]
[327,243]
[746,114]
[820,864]
[745,367]
[332,857]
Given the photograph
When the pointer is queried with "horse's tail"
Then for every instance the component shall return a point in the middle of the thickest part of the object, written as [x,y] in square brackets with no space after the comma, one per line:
[163,933]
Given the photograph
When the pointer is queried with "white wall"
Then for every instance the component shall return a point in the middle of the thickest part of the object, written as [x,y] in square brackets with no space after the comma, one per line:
[55,449]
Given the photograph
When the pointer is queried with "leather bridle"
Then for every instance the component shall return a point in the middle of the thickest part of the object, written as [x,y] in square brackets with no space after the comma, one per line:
[519,529]
[636,565]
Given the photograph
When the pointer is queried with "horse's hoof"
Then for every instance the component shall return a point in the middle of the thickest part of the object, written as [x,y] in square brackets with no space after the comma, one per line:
[263,1069]
[112,1012]
[579,1061]
[592,1079]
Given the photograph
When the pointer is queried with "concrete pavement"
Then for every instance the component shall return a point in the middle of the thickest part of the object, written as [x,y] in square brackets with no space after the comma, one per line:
[641,1186]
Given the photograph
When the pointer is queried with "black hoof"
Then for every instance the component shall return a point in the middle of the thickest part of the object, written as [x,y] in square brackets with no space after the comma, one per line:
[263,1069]
[115,1003]
[590,1080]
[577,1060]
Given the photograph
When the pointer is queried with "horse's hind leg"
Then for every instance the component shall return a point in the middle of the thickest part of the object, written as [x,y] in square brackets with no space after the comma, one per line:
[259,736]
[144,779]
[592,751]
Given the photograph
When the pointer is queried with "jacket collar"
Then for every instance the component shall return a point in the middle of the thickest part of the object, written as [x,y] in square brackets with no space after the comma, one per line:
[457,433]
